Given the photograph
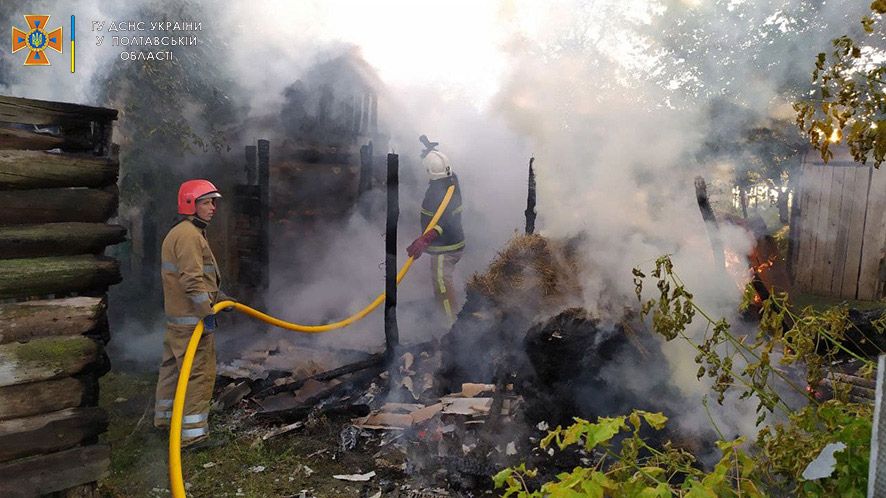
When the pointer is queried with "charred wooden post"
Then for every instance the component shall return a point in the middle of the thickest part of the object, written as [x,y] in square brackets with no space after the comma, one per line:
[392,339]
[365,169]
[707,213]
[530,201]
[251,167]
[264,182]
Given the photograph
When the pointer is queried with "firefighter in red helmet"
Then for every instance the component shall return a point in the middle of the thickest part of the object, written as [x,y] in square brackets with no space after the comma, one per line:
[191,281]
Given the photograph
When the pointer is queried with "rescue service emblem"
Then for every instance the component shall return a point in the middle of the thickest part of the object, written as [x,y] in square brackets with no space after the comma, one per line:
[36,40]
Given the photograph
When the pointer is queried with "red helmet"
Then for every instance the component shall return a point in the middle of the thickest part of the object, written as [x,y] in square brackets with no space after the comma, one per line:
[192,191]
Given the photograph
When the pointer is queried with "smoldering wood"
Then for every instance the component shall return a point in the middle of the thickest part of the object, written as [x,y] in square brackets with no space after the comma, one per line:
[87,205]
[42,112]
[26,277]
[530,201]
[28,169]
[20,322]
[298,411]
[372,361]
[46,359]
[707,214]
[58,239]
[302,412]
[43,474]
[50,432]
[35,398]
[392,339]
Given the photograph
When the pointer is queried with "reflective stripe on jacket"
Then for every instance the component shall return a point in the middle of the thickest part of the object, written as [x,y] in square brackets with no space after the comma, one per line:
[190,274]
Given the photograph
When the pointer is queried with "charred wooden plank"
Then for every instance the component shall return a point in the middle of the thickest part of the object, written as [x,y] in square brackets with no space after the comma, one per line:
[20,322]
[299,410]
[22,207]
[707,214]
[45,359]
[41,397]
[46,433]
[42,112]
[43,474]
[372,361]
[54,275]
[29,169]
[58,239]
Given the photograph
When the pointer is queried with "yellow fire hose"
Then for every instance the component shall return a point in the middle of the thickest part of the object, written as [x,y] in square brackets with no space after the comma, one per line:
[178,405]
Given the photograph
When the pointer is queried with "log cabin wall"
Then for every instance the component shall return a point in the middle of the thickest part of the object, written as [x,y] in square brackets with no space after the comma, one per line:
[838,233]
[58,188]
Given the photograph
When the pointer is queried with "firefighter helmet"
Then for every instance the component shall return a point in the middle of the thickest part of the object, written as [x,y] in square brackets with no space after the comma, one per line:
[192,191]
[437,165]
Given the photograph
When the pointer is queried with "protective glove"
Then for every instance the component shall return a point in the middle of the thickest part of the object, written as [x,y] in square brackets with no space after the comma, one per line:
[419,245]
[209,323]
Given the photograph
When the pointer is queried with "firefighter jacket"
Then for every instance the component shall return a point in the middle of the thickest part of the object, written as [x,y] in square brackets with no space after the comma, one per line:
[189,272]
[451,235]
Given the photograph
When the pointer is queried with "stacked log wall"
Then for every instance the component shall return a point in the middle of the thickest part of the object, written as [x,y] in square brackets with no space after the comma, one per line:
[58,188]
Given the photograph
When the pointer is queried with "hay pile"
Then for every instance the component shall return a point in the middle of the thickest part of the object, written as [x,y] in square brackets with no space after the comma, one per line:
[531,271]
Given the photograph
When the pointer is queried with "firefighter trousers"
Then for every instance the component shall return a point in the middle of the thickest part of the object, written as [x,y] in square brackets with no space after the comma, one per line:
[195,423]
[442,268]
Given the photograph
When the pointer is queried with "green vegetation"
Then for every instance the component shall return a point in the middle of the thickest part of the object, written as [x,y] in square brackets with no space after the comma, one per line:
[298,460]
[54,351]
[849,104]
[773,464]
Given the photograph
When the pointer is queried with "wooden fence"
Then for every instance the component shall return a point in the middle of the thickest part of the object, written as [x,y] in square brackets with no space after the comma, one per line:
[838,231]
[58,187]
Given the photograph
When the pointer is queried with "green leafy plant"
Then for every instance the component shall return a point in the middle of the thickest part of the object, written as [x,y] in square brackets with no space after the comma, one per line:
[637,469]
[774,463]
[849,104]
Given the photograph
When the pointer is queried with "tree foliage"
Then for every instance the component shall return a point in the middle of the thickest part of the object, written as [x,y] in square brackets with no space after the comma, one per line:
[849,104]
[171,111]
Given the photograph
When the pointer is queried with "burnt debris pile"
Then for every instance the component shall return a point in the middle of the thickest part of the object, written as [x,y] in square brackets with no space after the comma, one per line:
[523,356]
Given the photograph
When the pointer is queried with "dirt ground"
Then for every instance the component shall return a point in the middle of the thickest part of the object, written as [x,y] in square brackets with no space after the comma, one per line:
[300,463]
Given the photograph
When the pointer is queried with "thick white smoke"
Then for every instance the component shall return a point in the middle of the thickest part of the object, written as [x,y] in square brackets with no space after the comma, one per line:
[611,97]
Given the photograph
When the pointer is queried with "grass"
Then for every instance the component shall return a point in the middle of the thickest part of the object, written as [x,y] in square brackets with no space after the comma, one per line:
[139,454]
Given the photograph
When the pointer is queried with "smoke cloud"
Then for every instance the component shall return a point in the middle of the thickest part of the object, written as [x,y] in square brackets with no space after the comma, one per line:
[613,98]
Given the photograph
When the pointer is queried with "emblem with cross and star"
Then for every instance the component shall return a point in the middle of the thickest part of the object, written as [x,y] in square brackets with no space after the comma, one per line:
[37,40]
